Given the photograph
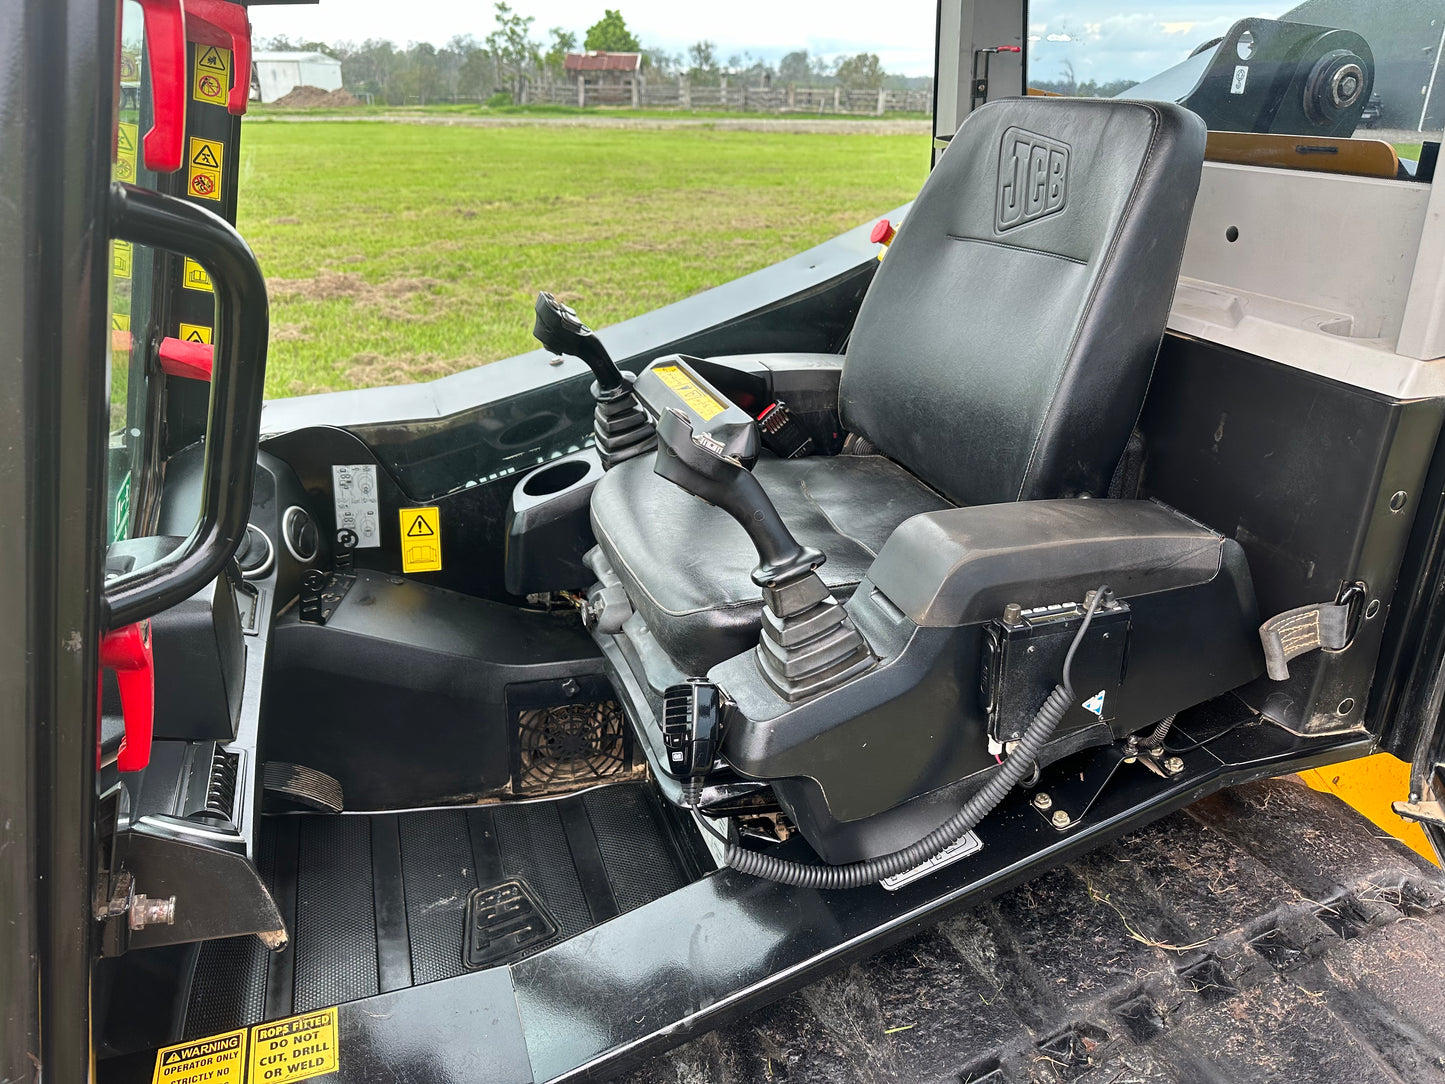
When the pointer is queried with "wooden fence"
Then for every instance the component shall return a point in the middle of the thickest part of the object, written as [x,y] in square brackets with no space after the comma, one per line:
[680,94]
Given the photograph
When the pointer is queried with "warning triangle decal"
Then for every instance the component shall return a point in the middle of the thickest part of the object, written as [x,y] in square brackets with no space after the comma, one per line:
[194,336]
[419,528]
[211,59]
[204,157]
[124,141]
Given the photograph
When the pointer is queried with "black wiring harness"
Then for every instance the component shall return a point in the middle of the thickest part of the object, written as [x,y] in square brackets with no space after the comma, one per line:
[1019,764]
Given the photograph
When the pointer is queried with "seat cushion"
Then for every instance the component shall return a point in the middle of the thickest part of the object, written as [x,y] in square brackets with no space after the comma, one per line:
[687,566]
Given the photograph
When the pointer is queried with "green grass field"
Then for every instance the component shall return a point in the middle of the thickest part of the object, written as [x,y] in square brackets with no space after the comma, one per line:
[397,252]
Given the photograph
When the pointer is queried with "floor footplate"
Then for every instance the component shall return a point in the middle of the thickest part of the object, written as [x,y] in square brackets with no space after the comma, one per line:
[504,920]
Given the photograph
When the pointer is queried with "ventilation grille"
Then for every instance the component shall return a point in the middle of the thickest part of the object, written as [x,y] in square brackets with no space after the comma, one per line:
[569,746]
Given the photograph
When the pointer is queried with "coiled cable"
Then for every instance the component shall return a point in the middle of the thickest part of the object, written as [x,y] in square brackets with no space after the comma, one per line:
[1019,764]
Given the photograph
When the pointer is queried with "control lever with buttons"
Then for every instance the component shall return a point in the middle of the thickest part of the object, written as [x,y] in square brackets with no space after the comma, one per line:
[707,446]
[621,428]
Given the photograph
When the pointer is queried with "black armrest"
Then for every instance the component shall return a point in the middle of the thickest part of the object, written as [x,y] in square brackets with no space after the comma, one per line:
[964,565]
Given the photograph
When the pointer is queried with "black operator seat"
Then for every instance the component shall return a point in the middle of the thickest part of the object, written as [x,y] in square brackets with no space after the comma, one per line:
[1002,354]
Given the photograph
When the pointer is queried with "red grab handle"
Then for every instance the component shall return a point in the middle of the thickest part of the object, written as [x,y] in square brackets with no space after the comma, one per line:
[165,32]
[127,651]
[194,361]
[224,24]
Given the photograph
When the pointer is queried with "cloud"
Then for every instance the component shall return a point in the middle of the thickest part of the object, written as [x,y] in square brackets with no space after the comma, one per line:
[1106,45]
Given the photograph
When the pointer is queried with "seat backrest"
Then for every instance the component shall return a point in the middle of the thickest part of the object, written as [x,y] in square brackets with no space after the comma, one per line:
[1006,343]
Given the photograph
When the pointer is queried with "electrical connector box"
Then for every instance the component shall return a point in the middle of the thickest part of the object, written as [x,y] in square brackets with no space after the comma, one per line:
[1023,659]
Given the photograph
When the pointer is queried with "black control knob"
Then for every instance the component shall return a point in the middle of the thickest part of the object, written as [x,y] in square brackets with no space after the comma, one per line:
[560,331]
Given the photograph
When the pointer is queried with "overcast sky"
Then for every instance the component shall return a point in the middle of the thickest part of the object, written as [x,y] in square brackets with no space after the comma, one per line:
[1107,39]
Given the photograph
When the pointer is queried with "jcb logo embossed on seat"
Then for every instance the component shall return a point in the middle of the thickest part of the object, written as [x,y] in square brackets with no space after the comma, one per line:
[1033,178]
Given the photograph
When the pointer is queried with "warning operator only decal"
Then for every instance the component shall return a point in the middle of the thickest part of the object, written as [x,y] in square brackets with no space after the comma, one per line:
[297,1048]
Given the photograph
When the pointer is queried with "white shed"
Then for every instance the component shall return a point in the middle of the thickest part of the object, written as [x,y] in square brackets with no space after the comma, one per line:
[277,74]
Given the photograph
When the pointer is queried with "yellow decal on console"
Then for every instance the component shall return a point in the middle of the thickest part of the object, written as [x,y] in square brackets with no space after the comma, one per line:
[296,1048]
[698,401]
[221,1059]
[421,540]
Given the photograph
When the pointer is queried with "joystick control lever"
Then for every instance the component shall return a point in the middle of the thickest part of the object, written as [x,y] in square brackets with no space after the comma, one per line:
[559,329]
[720,472]
[708,447]
[621,428]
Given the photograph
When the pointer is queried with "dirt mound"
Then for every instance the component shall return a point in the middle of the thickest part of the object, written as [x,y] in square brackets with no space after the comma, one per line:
[304,97]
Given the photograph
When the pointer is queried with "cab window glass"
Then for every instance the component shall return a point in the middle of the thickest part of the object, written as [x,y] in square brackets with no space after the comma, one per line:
[131,276]
[1330,68]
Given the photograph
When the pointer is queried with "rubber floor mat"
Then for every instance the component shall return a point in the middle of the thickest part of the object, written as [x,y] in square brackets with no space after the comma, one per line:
[377,902]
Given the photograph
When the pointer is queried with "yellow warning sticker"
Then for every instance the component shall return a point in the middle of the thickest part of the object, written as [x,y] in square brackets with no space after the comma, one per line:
[212,80]
[421,540]
[195,333]
[205,168]
[297,1048]
[194,277]
[221,1059]
[121,255]
[120,333]
[126,138]
[698,401]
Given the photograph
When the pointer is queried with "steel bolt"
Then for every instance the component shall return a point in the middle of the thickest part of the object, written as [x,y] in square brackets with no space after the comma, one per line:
[1013,613]
[1173,765]
[145,911]
[1061,819]
[1042,801]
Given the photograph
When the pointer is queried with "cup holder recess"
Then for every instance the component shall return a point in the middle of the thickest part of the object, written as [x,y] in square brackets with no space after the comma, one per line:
[549,528]
[556,477]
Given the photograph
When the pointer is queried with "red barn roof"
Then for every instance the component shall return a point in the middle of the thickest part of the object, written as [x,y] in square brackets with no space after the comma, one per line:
[602,62]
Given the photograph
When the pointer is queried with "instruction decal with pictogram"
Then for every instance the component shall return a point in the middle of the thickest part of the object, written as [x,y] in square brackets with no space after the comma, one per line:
[421,540]
[194,277]
[126,137]
[195,333]
[212,80]
[204,170]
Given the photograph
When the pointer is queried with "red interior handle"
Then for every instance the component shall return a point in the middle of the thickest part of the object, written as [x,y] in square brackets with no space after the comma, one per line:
[224,24]
[165,33]
[127,651]
[195,361]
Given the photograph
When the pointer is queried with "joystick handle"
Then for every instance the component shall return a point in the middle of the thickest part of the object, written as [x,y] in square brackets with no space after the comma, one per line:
[560,331]
[703,466]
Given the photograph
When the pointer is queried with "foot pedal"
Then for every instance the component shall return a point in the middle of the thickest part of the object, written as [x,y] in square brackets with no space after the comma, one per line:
[502,921]
[301,785]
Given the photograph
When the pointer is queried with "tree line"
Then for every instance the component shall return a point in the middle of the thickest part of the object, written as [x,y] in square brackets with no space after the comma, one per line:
[500,65]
